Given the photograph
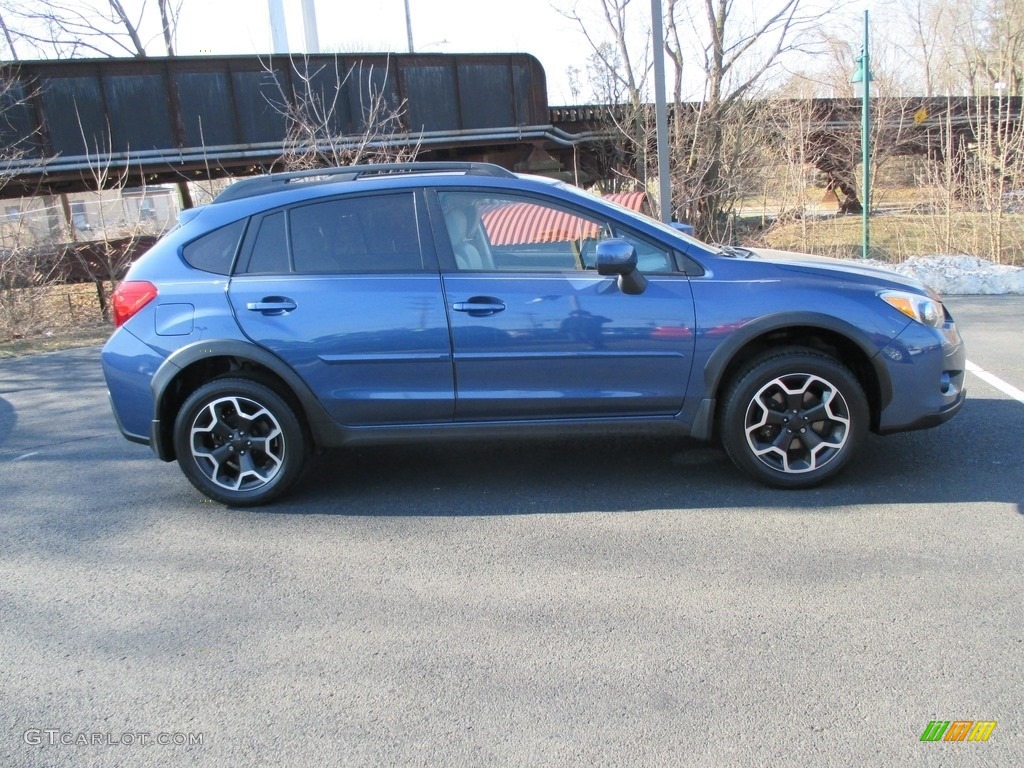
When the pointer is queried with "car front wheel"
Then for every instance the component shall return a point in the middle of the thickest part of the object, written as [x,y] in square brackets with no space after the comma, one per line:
[239,442]
[794,419]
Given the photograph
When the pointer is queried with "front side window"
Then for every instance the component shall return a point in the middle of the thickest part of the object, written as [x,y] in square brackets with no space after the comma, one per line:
[505,232]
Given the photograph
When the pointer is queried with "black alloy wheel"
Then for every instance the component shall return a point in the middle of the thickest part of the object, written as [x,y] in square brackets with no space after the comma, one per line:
[794,418]
[239,442]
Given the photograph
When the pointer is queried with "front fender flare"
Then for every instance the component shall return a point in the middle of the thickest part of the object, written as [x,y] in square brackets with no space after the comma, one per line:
[718,362]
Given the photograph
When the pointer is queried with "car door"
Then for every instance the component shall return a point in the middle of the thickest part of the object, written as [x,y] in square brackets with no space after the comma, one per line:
[537,333]
[347,292]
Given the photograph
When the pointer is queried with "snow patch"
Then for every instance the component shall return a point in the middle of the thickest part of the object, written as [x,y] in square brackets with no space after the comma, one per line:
[960,275]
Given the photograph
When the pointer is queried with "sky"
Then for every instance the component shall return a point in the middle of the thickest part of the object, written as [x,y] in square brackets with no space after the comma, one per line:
[223,27]
[537,27]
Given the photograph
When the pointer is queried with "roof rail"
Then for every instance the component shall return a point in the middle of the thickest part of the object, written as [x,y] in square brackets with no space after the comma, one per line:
[276,182]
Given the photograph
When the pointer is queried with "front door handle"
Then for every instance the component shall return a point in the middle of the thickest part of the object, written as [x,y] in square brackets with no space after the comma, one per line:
[480,306]
[272,305]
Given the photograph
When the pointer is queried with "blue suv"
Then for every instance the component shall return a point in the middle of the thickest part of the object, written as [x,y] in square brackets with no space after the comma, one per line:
[424,301]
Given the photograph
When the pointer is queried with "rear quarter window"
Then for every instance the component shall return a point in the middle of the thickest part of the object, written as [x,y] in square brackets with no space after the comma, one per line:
[215,251]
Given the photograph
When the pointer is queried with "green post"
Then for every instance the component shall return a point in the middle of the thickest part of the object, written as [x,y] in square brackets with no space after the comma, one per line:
[863,77]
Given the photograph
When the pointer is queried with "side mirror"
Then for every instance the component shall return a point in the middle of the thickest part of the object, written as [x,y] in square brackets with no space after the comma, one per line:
[686,229]
[617,257]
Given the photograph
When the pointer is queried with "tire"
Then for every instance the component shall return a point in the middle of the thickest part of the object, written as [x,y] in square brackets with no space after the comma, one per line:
[793,418]
[238,442]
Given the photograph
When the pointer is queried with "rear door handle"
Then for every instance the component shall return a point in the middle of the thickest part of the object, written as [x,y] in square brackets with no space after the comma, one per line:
[480,306]
[272,305]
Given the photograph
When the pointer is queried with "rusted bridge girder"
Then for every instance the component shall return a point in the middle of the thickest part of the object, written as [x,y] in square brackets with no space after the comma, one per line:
[174,119]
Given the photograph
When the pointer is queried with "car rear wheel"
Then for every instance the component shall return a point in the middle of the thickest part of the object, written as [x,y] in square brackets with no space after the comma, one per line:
[239,442]
[794,418]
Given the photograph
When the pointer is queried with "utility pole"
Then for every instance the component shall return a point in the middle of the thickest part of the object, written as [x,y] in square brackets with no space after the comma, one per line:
[309,26]
[408,27]
[865,140]
[660,113]
[278,26]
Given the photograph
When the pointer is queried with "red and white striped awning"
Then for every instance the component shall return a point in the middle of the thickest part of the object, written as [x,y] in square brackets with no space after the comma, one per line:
[635,201]
[523,223]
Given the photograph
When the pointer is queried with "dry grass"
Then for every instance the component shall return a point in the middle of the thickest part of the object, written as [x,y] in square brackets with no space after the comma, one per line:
[898,236]
[46,318]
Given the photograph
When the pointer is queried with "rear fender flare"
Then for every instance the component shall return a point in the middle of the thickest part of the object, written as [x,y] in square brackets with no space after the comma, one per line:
[315,416]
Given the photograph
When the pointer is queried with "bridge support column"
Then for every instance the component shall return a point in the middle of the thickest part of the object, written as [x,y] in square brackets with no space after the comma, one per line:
[186,196]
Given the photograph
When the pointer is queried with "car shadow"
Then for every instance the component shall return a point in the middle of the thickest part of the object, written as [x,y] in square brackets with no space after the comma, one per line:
[8,418]
[974,458]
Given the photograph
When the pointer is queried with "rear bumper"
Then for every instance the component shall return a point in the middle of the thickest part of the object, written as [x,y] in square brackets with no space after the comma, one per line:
[141,439]
[128,367]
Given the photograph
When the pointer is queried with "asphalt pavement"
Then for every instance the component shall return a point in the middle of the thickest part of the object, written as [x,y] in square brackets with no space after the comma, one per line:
[596,602]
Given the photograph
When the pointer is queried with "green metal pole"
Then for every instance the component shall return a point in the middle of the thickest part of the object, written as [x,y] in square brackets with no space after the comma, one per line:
[865,142]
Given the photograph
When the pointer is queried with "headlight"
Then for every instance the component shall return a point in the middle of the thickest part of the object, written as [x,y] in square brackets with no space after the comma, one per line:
[923,309]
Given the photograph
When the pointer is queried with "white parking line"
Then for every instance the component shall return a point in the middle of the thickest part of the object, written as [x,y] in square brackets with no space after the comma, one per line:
[996,382]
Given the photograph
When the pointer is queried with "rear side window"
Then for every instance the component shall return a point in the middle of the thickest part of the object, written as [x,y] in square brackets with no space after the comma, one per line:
[270,246]
[377,233]
[363,234]
[215,251]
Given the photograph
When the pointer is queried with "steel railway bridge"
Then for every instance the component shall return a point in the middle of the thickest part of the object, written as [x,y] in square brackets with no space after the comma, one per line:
[74,125]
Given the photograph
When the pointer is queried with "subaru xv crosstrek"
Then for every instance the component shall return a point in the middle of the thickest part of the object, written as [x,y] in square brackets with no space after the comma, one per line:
[412,302]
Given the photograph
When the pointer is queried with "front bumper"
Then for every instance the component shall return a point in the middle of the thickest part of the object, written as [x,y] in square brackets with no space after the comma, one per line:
[927,369]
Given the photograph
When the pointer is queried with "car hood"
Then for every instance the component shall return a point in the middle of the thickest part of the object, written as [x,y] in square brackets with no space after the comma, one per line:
[837,268]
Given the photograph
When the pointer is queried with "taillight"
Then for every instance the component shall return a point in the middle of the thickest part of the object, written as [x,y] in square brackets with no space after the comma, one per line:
[129,297]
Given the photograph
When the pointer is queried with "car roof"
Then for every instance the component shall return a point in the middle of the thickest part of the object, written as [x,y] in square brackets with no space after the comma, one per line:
[278,182]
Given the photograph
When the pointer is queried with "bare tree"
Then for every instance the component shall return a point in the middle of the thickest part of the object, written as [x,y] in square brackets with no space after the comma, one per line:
[714,133]
[26,270]
[8,37]
[971,182]
[958,48]
[618,77]
[120,231]
[169,14]
[71,28]
[614,59]
[738,51]
[315,131]
[995,174]
[1002,53]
